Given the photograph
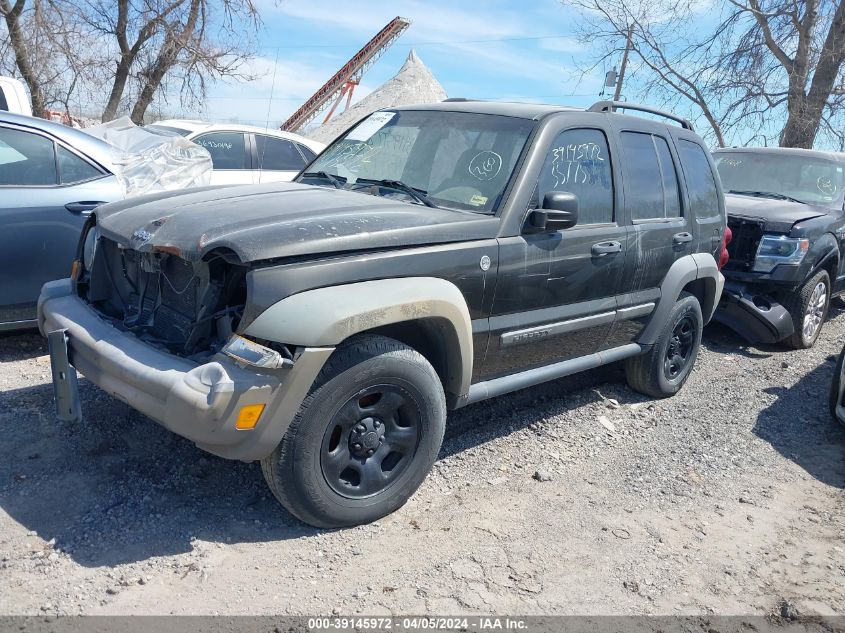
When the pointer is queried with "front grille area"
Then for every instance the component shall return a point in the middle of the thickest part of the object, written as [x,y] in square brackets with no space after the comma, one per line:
[165,298]
[186,307]
[743,246]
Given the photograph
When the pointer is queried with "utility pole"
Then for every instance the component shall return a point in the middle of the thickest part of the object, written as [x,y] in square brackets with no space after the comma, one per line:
[618,93]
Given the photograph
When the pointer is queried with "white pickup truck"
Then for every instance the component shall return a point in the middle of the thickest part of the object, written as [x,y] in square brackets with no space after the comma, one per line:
[13,97]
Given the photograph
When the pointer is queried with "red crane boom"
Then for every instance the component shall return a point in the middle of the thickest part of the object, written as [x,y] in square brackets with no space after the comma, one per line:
[343,82]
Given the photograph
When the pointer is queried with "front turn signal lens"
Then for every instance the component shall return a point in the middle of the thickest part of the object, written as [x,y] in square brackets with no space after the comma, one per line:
[248,416]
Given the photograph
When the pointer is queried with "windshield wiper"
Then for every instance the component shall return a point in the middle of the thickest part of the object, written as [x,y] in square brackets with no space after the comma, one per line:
[417,194]
[767,194]
[334,180]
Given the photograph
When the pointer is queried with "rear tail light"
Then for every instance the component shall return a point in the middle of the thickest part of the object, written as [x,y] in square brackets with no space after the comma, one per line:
[727,236]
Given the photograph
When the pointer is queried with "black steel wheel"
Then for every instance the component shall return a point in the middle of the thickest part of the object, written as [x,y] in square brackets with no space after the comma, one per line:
[370,441]
[664,367]
[679,350]
[365,437]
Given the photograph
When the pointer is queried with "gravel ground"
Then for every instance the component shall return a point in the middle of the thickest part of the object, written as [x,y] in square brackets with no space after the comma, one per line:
[578,496]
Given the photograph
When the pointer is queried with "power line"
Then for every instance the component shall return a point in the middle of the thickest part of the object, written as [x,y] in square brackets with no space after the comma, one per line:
[472,96]
[429,43]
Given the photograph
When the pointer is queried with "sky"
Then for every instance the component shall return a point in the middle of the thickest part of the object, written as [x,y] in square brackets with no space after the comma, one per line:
[522,50]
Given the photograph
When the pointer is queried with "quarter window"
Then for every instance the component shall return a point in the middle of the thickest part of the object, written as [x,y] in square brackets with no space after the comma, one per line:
[26,159]
[579,162]
[651,181]
[701,186]
[277,154]
[307,153]
[227,149]
[73,169]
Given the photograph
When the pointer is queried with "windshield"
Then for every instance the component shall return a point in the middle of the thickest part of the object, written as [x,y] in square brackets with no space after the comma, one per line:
[455,160]
[803,178]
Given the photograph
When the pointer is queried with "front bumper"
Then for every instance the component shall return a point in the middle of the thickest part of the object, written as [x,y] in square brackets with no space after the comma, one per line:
[199,402]
[753,314]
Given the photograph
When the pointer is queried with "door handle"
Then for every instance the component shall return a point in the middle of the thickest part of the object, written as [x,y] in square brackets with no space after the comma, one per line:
[682,238]
[82,208]
[604,248]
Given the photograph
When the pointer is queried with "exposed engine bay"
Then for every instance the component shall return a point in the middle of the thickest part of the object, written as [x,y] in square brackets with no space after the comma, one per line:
[188,308]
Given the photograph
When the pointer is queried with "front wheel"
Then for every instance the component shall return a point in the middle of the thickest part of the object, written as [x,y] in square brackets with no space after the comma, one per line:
[809,311]
[664,369]
[365,437]
[837,391]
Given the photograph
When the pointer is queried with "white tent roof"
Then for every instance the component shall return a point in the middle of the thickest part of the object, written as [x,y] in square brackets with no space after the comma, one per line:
[414,83]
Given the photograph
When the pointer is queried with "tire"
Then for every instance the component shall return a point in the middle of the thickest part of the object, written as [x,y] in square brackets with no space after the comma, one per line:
[809,311]
[658,373]
[837,388]
[364,438]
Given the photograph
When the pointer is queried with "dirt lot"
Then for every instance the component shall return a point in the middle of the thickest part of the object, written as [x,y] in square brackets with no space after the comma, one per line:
[725,499]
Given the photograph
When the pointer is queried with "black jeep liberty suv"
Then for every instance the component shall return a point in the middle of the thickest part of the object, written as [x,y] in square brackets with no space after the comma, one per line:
[785,210]
[431,257]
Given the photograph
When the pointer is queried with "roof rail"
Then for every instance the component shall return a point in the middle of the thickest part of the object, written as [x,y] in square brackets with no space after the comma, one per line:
[453,99]
[613,106]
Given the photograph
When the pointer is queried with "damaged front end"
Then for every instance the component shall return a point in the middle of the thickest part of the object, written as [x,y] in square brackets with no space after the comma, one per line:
[159,331]
[757,316]
[188,308]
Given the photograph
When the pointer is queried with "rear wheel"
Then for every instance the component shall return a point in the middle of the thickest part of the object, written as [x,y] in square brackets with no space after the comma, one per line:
[664,369]
[837,390]
[809,311]
[365,437]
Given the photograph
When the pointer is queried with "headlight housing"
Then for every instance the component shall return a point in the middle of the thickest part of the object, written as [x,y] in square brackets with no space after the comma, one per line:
[89,248]
[246,352]
[779,249]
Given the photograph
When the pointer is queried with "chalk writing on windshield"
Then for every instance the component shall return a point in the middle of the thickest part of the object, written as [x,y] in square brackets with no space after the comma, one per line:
[485,165]
[578,163]
[826,185]
[387,145]
[350,155]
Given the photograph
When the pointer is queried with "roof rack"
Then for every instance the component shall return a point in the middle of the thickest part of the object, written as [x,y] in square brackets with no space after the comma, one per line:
[613,106]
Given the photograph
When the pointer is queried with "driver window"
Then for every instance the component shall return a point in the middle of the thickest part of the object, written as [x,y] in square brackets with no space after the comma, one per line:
[579,162]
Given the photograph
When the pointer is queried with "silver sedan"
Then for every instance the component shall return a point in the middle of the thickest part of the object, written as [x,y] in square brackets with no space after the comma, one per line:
[51,177]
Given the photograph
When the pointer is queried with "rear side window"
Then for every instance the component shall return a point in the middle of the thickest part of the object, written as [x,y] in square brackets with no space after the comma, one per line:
[671,190]
[277,154]
[227,149]
[701,186]
[73,169]
[26,159]
[579,162]
[651,181]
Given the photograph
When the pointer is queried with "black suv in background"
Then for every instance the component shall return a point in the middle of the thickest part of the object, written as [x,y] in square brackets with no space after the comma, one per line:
[431,257]
[785,209]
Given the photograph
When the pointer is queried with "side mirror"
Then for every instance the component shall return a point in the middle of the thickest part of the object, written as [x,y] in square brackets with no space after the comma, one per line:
[559,212]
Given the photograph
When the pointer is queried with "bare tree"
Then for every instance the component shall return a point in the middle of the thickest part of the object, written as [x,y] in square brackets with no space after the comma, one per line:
[47,48]
[66,50]
[191,58]
[766,71]
[157,38]
[789,51]
[132,28]
[669,69]
[13,15]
